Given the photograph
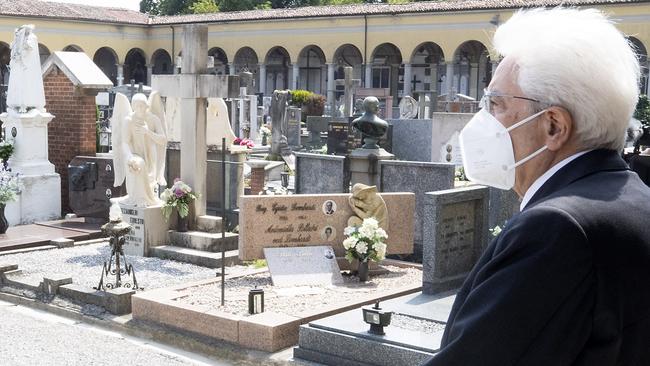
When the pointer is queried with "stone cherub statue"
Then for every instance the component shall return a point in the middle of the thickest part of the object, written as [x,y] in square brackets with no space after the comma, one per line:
[139,147]
[25,89]
[366,202]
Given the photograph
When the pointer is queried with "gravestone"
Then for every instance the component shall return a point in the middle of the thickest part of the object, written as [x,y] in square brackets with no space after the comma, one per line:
[455,234]
[350,86]
[419,178]
[304,266]
[503,205]
[318,173]
[430,140]
[90,189]
[145,233]
[293,126]
[318,124]
[304,220]
[339,139]
[279,122]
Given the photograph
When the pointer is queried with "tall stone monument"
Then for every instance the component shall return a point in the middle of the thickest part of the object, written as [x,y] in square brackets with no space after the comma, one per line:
[194,86]
[25,122]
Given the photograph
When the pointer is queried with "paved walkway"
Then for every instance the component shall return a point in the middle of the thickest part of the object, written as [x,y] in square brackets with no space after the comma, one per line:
[32,337]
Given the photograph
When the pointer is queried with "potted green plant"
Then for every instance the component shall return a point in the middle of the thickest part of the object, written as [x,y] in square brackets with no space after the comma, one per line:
[178,197]
[6,150]
[10,187]
[364,243]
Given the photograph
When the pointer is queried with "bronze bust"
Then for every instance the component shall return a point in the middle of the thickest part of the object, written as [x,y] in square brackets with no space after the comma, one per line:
[371,126]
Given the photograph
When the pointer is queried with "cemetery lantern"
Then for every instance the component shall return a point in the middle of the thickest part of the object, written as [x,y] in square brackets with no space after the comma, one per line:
[105,138]
[377,318]
[256,301]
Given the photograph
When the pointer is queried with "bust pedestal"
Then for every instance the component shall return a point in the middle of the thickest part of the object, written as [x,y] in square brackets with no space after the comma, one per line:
[364,165]
[40,199]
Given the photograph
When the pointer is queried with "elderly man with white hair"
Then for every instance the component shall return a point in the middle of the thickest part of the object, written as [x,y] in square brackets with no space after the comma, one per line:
[567,281]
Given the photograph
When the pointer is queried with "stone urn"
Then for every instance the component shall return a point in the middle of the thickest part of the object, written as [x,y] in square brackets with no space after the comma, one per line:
[369,124]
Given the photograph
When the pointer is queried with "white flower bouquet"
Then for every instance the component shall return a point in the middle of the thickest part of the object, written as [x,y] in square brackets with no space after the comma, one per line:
[365,242]
[10,186]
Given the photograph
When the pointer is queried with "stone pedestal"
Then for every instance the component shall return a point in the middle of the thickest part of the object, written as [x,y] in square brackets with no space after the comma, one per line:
[149,229]
[39,199]
[364,165]
[258,176]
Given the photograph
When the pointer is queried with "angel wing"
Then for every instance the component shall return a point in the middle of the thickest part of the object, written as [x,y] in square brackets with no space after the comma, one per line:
[156,107]
[121,110]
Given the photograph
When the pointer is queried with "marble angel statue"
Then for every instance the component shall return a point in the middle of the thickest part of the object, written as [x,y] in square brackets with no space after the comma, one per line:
[139,147]
[25,89]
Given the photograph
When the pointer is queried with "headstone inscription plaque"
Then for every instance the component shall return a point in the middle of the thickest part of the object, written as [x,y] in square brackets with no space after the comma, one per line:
[303,266]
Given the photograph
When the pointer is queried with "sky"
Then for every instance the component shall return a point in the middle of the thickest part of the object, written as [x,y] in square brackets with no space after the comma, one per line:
[129,4]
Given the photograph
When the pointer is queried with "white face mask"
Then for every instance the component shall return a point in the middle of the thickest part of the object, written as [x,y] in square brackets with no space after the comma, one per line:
[486,148]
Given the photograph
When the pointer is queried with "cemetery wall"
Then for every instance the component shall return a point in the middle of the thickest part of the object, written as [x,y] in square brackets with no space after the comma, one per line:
[72,132]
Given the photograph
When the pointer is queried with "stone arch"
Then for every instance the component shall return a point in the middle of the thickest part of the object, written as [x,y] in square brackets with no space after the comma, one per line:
[246,59]
[277,63]
[72,48]
[161,62]
[642,56]
[135,68]
[472,70]
[427,67]
[313,72]
[106,59]
[386,61]
[43,52]
[348,55]
[220,60]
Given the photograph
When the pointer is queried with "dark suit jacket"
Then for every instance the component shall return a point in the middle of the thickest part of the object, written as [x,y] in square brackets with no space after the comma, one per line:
[567,282]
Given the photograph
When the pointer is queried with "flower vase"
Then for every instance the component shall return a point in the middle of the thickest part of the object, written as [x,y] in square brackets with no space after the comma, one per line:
[362,271]
[264,140]
[182,223]
[4,225]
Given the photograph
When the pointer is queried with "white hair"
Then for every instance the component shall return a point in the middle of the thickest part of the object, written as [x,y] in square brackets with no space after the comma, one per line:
[578,60]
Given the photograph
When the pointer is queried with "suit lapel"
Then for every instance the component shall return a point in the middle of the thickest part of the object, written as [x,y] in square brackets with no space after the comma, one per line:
[587,164]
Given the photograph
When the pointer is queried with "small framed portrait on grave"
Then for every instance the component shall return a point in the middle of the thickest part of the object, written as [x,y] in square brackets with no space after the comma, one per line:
[329,207]
[328,233]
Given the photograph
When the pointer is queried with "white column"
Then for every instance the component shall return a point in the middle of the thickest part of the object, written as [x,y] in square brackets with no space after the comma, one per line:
[294,76]
[323,80]
[262,88]
[647,90]
[149,73]
[331,85]
[473,80]
[449,80]
[231,69]
[120,74]
[434,78]
[368,75]
[408,75]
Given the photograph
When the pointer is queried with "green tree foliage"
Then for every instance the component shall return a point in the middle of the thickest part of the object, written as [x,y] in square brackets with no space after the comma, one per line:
[239,5]
[149,7]
[642,112]
[204,6]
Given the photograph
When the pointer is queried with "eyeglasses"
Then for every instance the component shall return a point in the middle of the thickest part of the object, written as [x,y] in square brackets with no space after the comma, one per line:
[486,102]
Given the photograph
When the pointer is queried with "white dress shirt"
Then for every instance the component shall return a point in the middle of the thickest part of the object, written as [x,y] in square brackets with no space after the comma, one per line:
[539,182]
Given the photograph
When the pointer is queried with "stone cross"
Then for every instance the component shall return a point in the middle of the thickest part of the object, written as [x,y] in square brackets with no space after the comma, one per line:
[350,86]
[194,85]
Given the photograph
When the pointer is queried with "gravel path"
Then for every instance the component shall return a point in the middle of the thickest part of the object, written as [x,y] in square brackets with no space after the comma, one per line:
[84,264]
[293,300]
[36,338]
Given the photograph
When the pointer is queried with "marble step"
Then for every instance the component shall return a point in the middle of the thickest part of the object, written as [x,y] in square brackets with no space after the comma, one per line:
[197,257]
[207,242]
[209,224]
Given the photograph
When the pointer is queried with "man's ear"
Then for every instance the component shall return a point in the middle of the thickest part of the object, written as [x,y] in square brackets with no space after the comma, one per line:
[558,127]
